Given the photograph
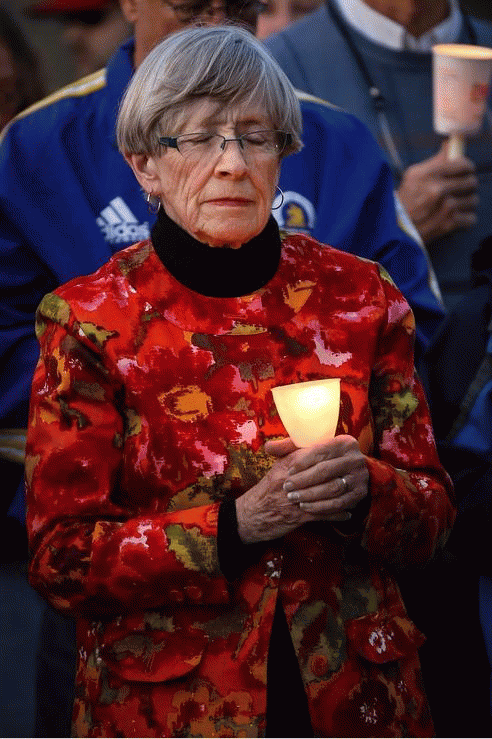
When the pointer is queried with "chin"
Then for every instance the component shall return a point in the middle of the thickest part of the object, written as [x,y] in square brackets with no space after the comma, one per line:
[226,244]
[229,233]
[232,239]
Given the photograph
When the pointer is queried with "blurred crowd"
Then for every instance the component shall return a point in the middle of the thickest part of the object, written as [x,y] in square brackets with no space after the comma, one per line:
[373,59]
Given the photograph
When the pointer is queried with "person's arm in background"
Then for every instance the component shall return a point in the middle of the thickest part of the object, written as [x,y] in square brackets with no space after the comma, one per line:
[24,278]
[457,376]
[340,189]
[440,195]
[23,282]
[44,238]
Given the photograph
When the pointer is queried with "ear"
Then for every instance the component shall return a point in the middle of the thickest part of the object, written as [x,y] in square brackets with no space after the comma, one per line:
[145,170]
[129,10]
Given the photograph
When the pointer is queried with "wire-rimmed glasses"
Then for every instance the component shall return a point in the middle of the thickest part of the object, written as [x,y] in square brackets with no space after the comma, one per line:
[188,12]
[207,145]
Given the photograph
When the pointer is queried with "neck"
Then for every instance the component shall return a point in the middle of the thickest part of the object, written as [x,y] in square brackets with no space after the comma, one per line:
[416,16]
[219,272]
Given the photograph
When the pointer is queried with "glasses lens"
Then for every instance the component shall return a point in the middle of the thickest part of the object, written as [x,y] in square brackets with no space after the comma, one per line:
[187,11]
[265,142]
[255,144]
[198,144]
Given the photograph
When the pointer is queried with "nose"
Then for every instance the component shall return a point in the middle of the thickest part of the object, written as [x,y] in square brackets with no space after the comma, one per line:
[213,14]
[72,34]
[231,158]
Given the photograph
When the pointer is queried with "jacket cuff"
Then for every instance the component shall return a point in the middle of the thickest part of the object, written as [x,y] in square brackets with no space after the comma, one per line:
[234,555]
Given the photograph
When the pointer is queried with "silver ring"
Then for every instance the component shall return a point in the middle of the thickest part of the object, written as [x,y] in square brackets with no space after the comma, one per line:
[344,482]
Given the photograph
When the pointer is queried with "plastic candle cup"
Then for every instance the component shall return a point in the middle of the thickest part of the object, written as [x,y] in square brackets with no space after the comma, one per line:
[309,410]
[461,82]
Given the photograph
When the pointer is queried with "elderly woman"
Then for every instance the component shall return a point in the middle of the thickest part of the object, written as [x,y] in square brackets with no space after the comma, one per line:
[226,582]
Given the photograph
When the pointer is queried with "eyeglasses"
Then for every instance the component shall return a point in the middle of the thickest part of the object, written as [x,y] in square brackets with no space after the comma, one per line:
[187,12]
[254,143]
[235,9]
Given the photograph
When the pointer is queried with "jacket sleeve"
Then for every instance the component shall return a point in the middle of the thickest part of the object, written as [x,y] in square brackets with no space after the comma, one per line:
[24,279]
[90,554]
[412,509]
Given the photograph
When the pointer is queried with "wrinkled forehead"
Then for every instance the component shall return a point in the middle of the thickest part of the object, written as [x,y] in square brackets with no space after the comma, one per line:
[209,114]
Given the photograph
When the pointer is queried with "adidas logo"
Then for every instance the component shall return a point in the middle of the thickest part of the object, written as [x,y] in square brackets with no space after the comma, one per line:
[119,225]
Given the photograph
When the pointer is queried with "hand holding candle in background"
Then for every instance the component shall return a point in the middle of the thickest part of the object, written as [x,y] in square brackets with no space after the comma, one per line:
[440,194]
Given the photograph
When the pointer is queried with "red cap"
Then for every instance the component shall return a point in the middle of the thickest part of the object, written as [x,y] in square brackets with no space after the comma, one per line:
[54,7]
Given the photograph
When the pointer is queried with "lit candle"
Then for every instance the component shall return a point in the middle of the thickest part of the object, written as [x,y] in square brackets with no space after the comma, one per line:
[461,83]
[309,410]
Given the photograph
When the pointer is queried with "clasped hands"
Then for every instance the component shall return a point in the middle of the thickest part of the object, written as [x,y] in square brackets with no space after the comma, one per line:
[303,485]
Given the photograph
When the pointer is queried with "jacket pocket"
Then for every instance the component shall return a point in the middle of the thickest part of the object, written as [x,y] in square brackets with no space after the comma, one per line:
[382,638]
[153,655]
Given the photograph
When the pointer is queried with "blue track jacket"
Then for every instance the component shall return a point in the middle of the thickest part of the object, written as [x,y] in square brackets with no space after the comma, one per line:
[68,201]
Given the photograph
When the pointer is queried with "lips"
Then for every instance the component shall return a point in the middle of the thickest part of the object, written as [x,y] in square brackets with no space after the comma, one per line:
[230,201]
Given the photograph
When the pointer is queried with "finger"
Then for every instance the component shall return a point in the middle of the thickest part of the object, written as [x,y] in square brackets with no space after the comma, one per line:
[341,504]
[322,471]
[463,219]
[466,203]
[459,212]
[327,490]
[334,449]
[279,447]
[460,185]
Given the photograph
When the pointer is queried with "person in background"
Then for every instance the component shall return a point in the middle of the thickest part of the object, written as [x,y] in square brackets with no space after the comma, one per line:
[21,85]
[338,188]
[20,75]
[224,581]
[277,14]
[92,29]
[373,58]
[460,399]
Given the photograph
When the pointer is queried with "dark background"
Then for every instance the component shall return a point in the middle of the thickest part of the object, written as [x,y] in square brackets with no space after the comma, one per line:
[45,37]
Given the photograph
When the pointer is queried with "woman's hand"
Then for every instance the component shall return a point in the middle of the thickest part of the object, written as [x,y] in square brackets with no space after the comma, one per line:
[303,485]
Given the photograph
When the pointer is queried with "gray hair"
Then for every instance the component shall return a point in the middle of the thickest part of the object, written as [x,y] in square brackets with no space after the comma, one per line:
[225,63]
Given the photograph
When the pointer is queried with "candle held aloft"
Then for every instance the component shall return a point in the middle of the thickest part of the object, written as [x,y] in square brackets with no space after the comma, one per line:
[461,83]
[309,410]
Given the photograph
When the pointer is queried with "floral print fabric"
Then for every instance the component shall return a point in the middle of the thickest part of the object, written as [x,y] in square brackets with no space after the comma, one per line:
[150,405]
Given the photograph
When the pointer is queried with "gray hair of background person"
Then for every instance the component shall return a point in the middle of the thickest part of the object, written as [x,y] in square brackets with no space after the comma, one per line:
[225,63]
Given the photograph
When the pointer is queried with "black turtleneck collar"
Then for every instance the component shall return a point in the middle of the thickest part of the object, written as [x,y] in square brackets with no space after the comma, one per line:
[217,272]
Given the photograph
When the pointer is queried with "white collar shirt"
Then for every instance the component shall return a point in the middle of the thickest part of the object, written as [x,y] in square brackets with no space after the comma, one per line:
[386,32]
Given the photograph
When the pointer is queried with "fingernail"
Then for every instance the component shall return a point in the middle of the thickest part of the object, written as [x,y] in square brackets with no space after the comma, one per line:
[293,496]
[288,485]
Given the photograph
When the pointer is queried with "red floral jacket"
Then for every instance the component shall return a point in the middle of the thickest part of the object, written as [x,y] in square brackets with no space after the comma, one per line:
[150,405]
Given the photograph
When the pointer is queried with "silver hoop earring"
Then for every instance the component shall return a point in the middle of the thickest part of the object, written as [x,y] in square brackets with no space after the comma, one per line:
[280,195]
[153,204]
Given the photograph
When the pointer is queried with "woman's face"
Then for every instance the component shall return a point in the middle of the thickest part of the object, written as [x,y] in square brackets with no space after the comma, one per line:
[223,198]
[279,14]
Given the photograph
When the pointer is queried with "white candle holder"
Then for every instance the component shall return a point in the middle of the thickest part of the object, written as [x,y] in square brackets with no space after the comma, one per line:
[309,410]
[461,83]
